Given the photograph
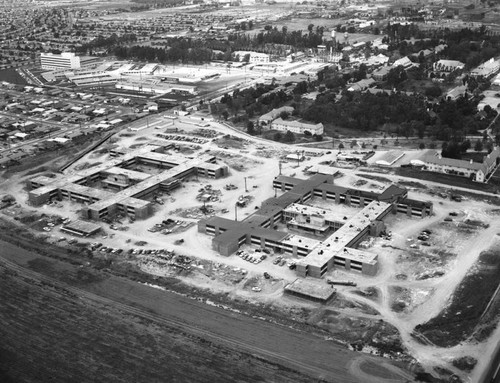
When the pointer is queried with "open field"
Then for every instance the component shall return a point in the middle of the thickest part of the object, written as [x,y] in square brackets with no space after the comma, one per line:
[95,336]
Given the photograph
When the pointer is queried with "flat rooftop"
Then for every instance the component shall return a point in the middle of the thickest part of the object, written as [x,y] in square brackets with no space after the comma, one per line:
[311,289]
[87,191]
[358,255]
[132,174]
[328,215]
[336,243]
[82,226]
[300,241]
[150,182]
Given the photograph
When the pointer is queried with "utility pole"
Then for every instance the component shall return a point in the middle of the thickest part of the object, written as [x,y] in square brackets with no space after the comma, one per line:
[236,212]
[279,164]
[246,190]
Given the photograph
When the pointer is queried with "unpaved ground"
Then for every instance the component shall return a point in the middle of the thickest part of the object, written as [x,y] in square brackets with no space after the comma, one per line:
[414,282]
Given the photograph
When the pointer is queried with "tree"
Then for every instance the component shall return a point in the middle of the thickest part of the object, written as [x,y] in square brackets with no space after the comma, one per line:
[478,146]
[277,136]
[396,76]
[289,136]
[318,137]
[225,115]
[433,91]
[250,128]
[341,146]
[421,146]
[284,115]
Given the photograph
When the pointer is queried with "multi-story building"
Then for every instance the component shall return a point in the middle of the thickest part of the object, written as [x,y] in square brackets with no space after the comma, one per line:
[297,126]
[265,119]
[254,57]
[114,187]
[317,257]
[65,60]
[476,171]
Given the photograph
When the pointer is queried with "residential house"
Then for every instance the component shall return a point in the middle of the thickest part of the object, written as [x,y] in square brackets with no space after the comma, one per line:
[405,62]
[456,92]
[361,85]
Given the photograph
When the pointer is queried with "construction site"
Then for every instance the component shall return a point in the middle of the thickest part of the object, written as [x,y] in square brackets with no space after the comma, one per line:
[371,263]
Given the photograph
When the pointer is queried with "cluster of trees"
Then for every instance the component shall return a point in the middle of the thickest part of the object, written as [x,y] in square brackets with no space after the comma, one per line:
[456,149]
[272,35]
[160,3]
[470,46]
[107,42]
[197,55]
[410,114]
[254,101]
[366,111]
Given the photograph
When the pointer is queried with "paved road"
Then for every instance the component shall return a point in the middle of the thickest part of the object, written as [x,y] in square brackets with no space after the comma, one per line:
[317,357]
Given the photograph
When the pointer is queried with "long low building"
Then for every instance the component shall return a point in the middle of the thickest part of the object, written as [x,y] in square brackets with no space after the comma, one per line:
[297,127]
[113,187]
[339,248]
[476,171]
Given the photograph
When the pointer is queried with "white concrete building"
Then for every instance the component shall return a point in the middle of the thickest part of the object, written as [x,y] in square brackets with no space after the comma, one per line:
[448,65]
[255,57]
[65,60]
[476,171]
[486,69]
[297,127]
[273,114]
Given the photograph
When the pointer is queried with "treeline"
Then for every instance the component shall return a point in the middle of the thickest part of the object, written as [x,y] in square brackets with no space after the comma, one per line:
[412,114]
[272,35]
[470,46]
[195,55]
[254,101]
[160,3]
[107,42]
[365,111]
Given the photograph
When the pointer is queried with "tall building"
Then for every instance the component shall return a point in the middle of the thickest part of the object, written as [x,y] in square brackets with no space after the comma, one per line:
[65,60]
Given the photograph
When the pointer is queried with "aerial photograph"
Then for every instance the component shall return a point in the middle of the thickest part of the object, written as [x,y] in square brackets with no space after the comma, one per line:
[283,191]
